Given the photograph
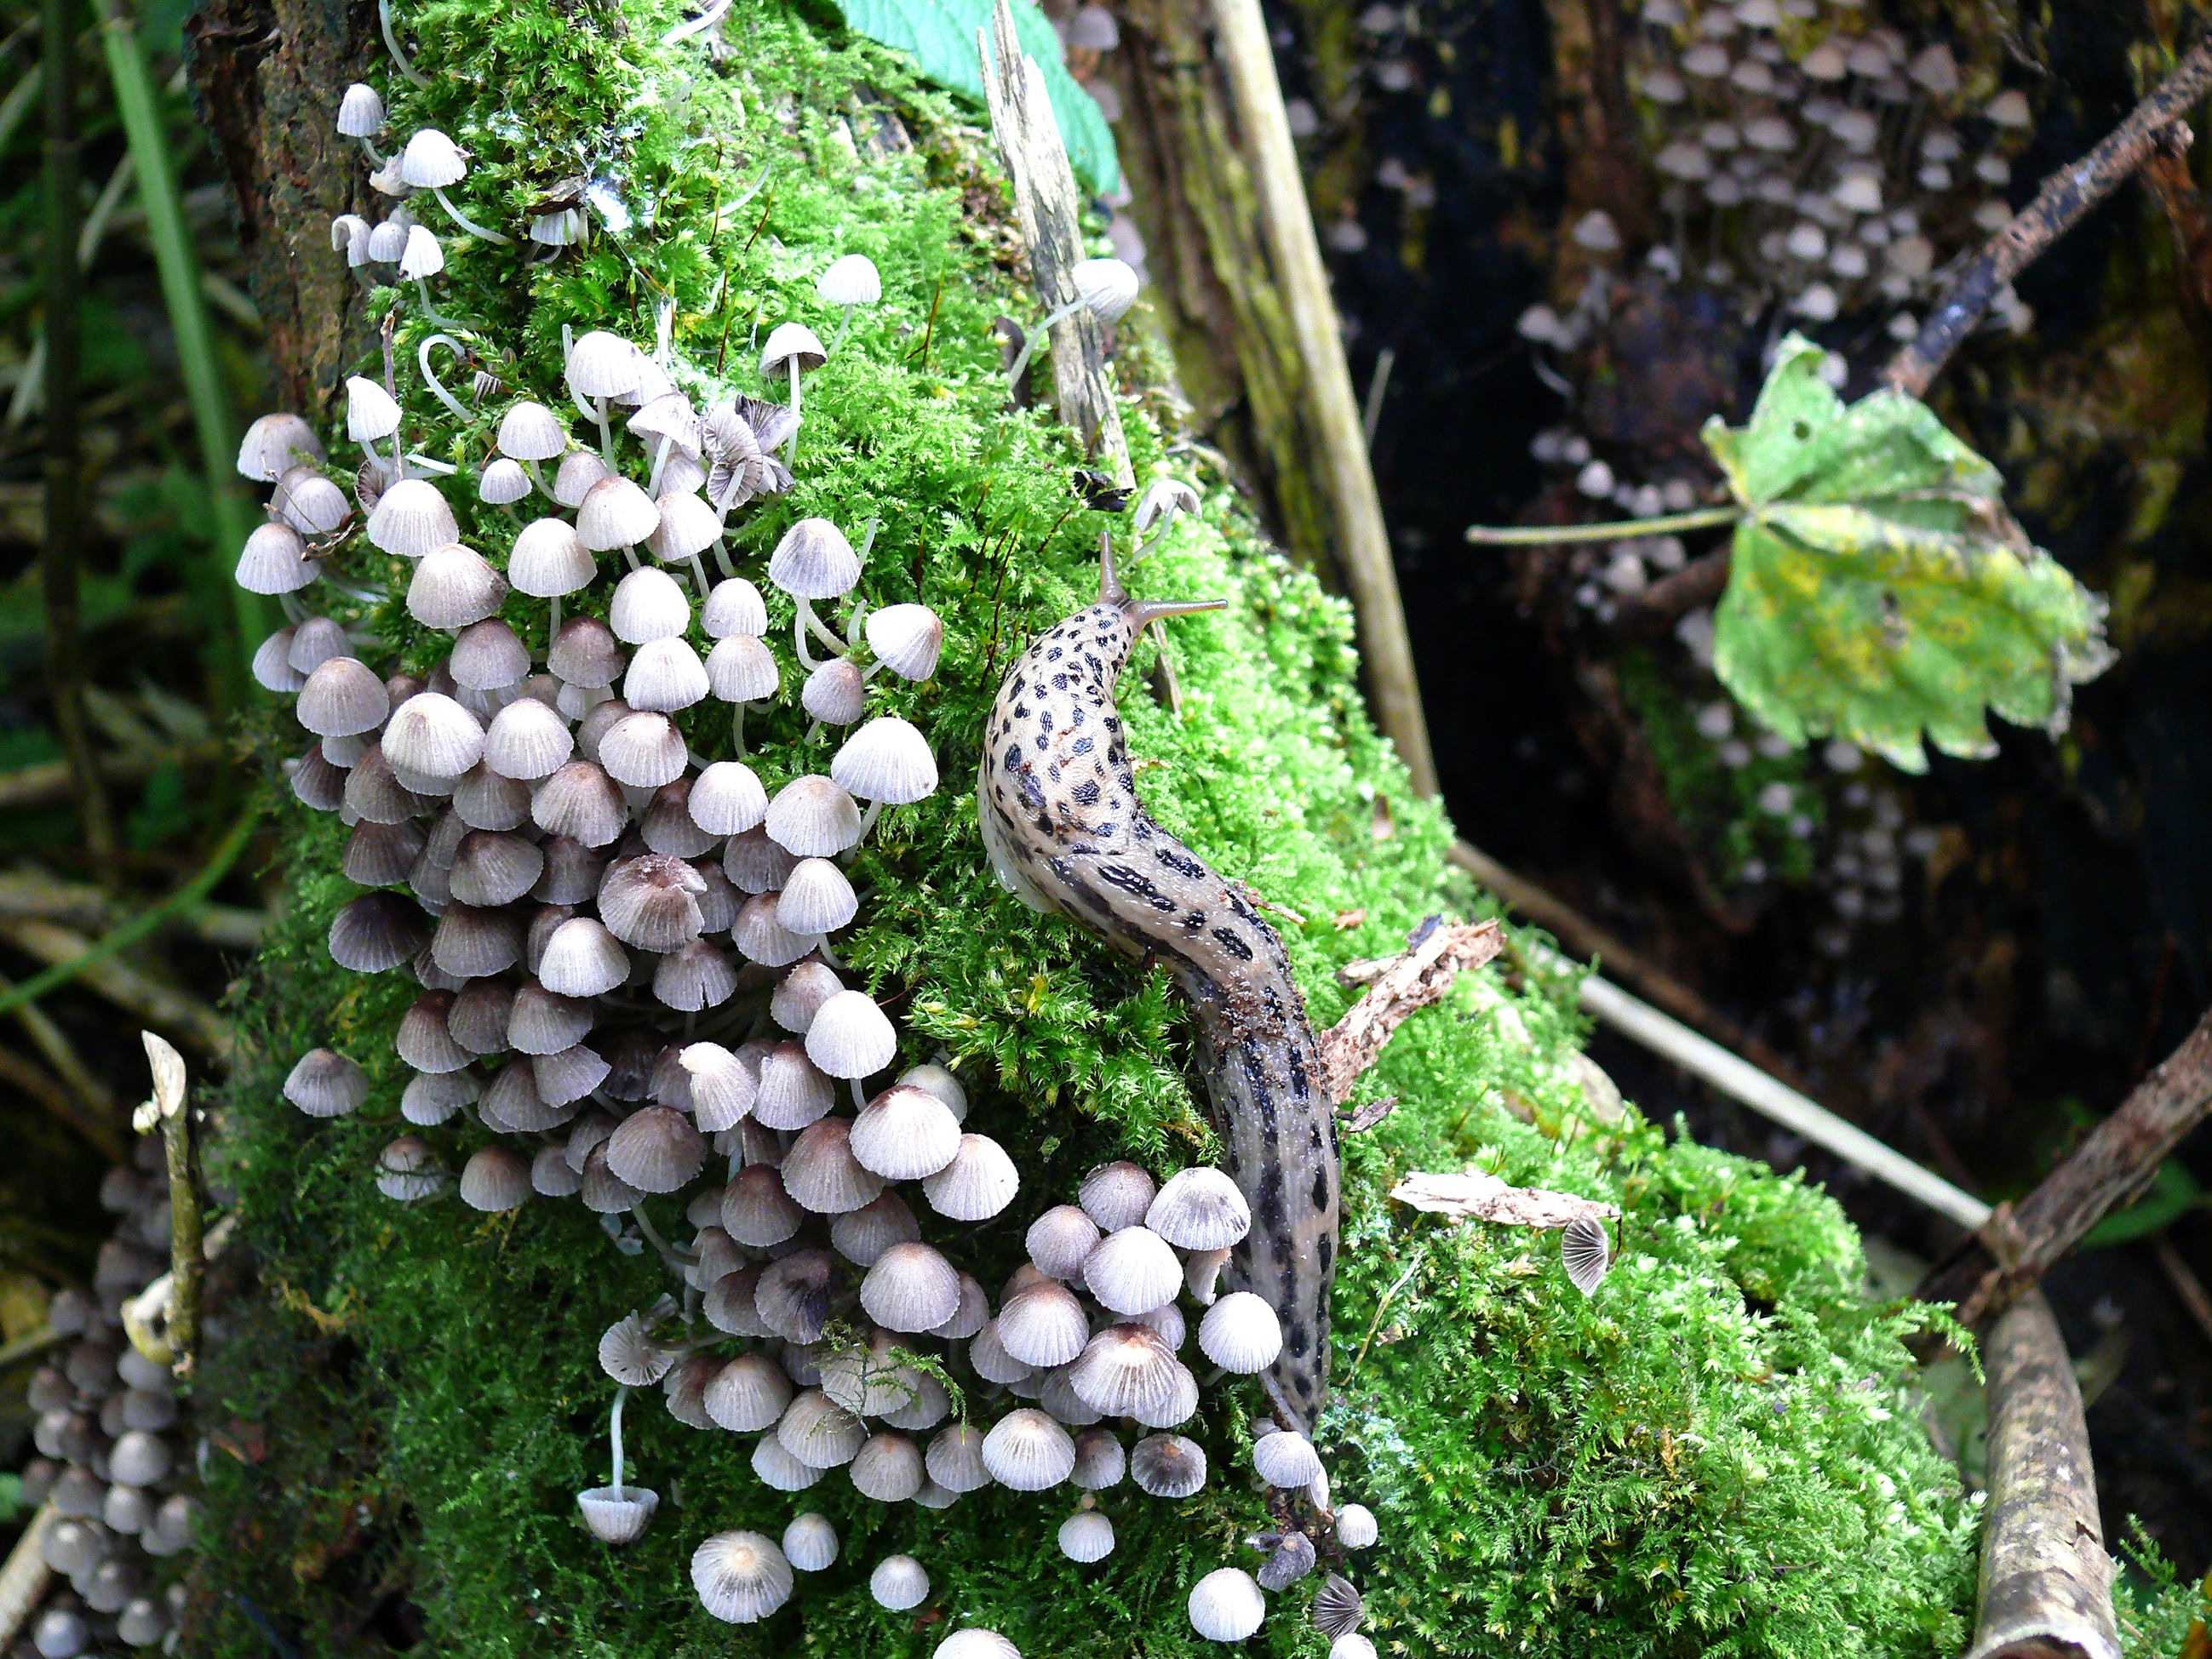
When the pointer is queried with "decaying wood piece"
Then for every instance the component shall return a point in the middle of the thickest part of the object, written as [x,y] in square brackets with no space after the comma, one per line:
[1396,986]
[24,1577]
[267,76]
[2114,1163]
[1045,206]
[1475,1196]
[1341,454]
[2046,1589]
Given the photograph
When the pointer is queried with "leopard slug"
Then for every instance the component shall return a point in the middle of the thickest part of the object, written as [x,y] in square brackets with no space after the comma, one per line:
[1067,833]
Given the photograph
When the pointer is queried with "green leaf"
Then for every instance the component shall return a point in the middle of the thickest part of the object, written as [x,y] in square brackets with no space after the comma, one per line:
[2173,1194]
[1878,588]
[939,35]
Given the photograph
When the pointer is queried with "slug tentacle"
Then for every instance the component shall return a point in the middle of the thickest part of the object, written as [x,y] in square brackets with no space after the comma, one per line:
[1067,835]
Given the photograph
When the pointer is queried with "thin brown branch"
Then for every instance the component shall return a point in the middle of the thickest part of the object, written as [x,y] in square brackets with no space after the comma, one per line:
[2114,1163]
[2066,196]
[30,892]
[47,783]
[128,988]
[2188,1288]
[1701,581]
[1396,987]
[2046,1580]
[97,1107]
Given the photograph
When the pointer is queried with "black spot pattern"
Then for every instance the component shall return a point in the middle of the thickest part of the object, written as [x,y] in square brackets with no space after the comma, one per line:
[1069,818]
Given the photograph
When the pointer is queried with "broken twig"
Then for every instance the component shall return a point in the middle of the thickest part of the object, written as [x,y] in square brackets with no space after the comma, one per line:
[1475,1196]
[2115,1162]
[1396,986]
[2046,1584]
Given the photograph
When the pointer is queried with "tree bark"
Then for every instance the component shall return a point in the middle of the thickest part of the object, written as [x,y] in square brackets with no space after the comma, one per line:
[267,76]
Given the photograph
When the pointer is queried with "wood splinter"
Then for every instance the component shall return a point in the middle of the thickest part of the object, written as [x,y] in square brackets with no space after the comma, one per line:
[1398,986]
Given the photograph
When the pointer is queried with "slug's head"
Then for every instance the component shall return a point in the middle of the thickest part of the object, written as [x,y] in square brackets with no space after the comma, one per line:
[1138,612]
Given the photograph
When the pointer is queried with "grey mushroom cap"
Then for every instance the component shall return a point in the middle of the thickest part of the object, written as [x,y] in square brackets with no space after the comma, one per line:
[814,561]
[852,280]
[325,1084]
[1226,1606]
[741,1577]
[790,343]
[618,1515]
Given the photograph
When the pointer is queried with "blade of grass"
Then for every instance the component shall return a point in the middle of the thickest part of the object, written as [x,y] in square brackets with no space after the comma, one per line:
[123,938]
[63,530]
[136,103]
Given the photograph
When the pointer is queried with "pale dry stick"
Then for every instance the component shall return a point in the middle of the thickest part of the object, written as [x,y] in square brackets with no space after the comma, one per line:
[126,987]
[1046,207]
[2046,1583]
[2019,1242]
[25,892]
[24,1578]
[2059,205]
[2188,1288]
[1363,544]
[1745,1083]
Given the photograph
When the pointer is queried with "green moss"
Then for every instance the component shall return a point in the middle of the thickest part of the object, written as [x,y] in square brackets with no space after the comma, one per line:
[1715,1452]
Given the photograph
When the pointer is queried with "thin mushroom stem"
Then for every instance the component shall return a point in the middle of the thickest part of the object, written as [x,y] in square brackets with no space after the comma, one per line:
[552,622]
[738,733]
[668,1253]
[791,444]
[391,45]
[429,375]
[598,413]
[614,1435]
[699,574]
[538,478]
[843,322]
[660,460]
[295,613]
[722,560]
[466,223]
[804,620]
[1704,517]
[430,312]
[1029,341]
[369,150]
[868,820]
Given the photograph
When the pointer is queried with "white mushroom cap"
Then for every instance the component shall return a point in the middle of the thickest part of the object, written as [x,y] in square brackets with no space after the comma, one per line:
[1200,1208]
[801,991]
[899,1582]
[411,518]
[741,1577]
[371,411]
[812,817]
[274,560]
[1285,1459]
[1027,1451]
[604,365]
[343,696]
[1060,1240]
[453,586]
[550,560]
[1352,1645]
[727,799]
[740,669]
[814,560]
[852,280]
[495,1178]
[907,639]
[1116,1195]
[734,606]
[648,604]
[615,513]
[664,675]
[978,1183]
[687,525]
[955,1458]
[820,1432]
[2009,111]
[579,471]
[1042,1325]
[1226,1606]
[820,1171]
[935,1079]
[433,736]
[531,432]
[360,112]
[976,1644]
[888,1468]
[1126,1371]
[810,1542]
[778,1469]
[790,341]
[1100,1463]
[274,444]
[432,160]
[850,1037]
[1355,1526]
[582,959]
[504,483]
[910,1288]
[1241,1334]
[423,256]
[1108,287]
[887,760]
[835,693]
[1133,1271]
[1086,1535]
[905,1134]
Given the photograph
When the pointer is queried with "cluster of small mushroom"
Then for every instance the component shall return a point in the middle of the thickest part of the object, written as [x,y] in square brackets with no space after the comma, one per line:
[848,1335]
[109,1434]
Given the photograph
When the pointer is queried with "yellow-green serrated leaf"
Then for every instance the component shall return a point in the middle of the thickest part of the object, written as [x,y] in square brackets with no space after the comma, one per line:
[1878,589]
[939,35]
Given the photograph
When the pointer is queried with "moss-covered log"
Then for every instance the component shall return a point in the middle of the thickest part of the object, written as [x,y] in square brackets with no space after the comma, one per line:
[1715,1452]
